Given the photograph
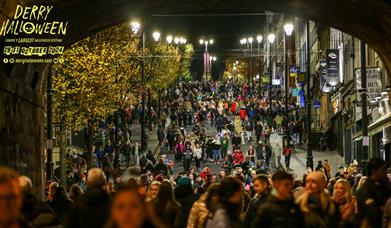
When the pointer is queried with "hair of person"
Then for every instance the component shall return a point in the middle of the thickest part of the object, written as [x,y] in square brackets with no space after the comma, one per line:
[228,187]
[346,185]
[374,164]
[212,191]
[154,183]
[281,175]
[96,178]
[76,189]
[25,183]
[262,178]
[164,195]
[7,175]
[126,187]
[54,185]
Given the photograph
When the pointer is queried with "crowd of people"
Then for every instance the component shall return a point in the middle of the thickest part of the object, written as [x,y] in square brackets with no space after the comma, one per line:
[225,178]
[273,200]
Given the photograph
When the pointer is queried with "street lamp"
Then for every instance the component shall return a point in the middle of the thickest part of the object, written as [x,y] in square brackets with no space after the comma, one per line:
[169,39]
[182,40]
[176,40]
[206,56]
[259,39]
[135,27]
[156,36]
[270,38]
[288,28]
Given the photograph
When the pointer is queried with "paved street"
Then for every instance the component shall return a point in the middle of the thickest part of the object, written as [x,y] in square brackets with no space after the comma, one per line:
[298,159]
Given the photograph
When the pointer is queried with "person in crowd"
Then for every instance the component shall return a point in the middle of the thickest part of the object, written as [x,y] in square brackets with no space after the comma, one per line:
[197,155]
[327,169]
[316,205]
[187,157]
[126,151]
[199,212]
[236,140]
[279,209]
[161,168]
[167,209]
[151,157]
[75,192]
[153,189]
[373,194]
[287,152]
[128,209]
[59,201]
[249,131]
[342,197]
[224,145]
[227,212]
[92,208]
[386,222]
[179,148]
[216,151]
[261,186]
[11,200]
[160,134]
[35,211]
[184,194]
[238,158]
[251,153]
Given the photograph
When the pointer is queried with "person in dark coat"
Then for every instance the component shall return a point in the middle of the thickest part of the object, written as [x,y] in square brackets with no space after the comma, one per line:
[279,209]
[184,194]
[92,208]
[35,211]
[151,157]
[161,168]
[373,194]
[60,203]
[160,134]
[261,188]
[236,140]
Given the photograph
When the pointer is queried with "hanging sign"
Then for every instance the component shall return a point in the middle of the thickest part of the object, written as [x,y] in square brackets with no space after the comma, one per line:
[332,61]
[323,74]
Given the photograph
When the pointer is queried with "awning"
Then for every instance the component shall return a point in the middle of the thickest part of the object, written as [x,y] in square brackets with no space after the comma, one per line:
[380,124]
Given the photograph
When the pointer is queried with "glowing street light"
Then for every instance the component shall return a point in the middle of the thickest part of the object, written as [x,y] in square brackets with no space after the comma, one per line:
[271,38]
[176,40]
[250,40]
[135,26]
[169,39]
[156,36]
[259,38]
[288,29]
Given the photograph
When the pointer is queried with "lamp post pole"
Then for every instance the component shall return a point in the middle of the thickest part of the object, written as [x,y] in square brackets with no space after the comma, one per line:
[310,162]
[144,143]
[270,79]
[288,32]
[286,86]
[364,100]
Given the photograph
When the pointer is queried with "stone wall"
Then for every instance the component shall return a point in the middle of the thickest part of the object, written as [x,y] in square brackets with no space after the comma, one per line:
[21,124]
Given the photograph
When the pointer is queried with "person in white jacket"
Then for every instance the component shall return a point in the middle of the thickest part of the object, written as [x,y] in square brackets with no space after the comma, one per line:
[197,152]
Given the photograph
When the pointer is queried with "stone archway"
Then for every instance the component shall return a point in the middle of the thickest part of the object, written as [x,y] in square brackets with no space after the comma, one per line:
[21,107]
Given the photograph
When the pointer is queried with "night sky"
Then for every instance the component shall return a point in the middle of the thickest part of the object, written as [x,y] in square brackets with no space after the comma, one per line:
[226,30]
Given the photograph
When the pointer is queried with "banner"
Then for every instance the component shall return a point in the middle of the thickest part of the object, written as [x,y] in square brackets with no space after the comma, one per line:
[374,84]
[322,74]
[374,87]
[332,61]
